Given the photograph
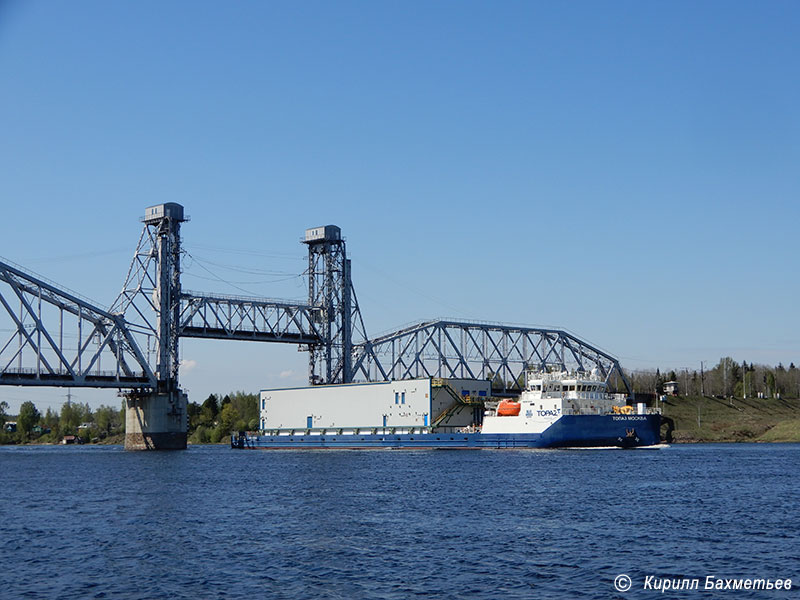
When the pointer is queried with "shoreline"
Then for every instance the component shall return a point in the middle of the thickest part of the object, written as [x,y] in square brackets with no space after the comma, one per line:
[696,420]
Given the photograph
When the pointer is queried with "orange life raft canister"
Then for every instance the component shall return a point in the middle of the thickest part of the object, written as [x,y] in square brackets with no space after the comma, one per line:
[508,408]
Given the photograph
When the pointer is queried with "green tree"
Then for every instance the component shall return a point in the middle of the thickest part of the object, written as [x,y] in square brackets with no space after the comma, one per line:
[28,417]
[193,413]
[209,411]
[770,377]
[84,412]
[107,419]
[200,435]
[50,418]
[215,436]
[246,405]
[659,382]
[69,419]
[227,417]
[3,413]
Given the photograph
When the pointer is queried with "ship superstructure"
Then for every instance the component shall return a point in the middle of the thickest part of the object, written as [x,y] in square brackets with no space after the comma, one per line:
[551,394]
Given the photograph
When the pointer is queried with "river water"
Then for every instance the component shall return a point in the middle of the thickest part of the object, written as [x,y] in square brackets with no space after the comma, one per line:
[211,522]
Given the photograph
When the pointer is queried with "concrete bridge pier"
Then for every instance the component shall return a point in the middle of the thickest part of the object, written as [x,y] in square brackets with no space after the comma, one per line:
[155,421]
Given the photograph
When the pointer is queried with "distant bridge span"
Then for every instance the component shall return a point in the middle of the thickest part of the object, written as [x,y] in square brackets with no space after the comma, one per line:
[472,350]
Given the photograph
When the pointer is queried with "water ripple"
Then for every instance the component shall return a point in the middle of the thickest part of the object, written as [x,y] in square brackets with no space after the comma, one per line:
[214,523]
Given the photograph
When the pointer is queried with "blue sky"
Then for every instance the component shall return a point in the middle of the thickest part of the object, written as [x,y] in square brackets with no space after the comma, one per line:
[624,170]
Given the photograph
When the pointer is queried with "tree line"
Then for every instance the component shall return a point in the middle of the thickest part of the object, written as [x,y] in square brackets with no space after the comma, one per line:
[209,422]
[728,378]
[74,418]
[214,419]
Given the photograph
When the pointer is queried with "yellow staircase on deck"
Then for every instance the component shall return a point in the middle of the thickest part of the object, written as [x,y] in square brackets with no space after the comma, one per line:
[458,401]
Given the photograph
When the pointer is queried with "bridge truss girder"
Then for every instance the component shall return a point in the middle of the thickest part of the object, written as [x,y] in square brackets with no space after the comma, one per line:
[238,318]
[55,338]
[502,353]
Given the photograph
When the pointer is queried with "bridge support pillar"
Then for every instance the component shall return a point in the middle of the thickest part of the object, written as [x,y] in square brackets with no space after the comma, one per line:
[155,421]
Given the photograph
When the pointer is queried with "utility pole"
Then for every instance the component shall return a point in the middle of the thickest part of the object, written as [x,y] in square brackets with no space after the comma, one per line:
[744,379]
[725,377]
[702,380]
[655,393]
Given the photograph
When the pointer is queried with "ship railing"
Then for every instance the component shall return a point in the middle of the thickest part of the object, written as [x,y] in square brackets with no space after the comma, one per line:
[536,374]
[587,411]
[604,411]
[458,429]
[330,431]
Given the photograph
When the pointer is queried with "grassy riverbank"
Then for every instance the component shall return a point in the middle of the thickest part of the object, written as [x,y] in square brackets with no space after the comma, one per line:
[707,419]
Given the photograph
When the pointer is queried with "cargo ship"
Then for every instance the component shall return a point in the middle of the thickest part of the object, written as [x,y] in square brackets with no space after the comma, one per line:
[556,409]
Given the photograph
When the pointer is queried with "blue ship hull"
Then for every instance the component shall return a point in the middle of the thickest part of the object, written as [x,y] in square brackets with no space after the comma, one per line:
[588,431]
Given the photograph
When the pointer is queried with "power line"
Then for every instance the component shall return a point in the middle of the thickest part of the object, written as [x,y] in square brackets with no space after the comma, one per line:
[278,280]
[216,277]
[277,255]
[239,269]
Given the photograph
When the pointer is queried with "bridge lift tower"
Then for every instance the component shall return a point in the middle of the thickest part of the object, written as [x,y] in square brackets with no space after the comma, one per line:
[150,300]
[334,307]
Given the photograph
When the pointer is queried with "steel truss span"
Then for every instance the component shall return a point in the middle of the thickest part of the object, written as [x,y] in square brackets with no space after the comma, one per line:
[54,338]
[240,318]
[502,353]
